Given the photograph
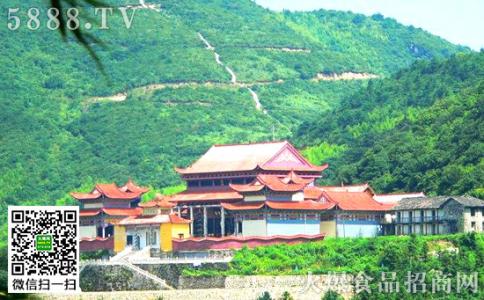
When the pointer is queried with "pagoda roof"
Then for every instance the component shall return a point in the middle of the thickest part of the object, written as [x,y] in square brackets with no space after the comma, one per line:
[292,177]
[243,205]
[89,212]
[128,191]
[201,195]
[111,212]
[274,156]
[159,201]
[274,183]
[158,219]
[313,193]
[300,205]
[279,205]
[132,187]
[355,200]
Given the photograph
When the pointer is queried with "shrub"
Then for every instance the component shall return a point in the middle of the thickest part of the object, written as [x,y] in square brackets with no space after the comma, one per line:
[286,296]
[265,296]
[331,295]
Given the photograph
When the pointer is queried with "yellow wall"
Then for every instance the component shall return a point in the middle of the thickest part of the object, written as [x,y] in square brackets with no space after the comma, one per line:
[170,231]
[165,237]
[177,229]
[328,228]
[119,238]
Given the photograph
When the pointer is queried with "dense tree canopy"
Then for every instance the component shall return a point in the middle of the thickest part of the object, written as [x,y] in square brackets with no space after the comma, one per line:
[420,130]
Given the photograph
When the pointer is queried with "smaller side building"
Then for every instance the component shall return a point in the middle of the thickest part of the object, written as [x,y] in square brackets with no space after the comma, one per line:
[155,227]
[438,215]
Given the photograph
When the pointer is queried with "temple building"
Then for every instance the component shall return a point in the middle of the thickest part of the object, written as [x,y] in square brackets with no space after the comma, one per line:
[245,194]
[105,206]
[268,189]
[112,217]
[155,227]
[216,181]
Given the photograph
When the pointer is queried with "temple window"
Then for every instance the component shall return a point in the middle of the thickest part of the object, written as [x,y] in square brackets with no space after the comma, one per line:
[193,183]
[238,180]
[207,183]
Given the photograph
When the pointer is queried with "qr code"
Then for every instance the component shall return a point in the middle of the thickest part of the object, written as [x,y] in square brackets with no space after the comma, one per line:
[43,248]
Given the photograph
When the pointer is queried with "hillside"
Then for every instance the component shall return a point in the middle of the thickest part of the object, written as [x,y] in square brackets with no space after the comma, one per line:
[180,79]
[399,254]
[420,130]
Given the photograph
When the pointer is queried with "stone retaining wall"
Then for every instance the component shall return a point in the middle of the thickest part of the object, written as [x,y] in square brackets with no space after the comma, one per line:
[114,278]
[120,278]
[172,273]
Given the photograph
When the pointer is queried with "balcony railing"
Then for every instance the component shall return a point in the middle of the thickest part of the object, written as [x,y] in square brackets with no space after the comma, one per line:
[426,219]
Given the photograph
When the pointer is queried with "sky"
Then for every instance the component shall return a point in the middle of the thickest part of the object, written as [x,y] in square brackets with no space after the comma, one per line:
[458,21]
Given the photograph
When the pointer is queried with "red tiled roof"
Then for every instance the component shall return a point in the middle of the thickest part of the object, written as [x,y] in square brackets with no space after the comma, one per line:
[242,205]
[254,186]
[89,212]
[158,201]
[312,193]
[111,211]
[272,182]
[176,219]
[309,168]
[130,186]
[86,196]
[300,205]
[122,211]
[279,205]
[111,190]
[247,157]
[292,177]
[362,201]
[206,195]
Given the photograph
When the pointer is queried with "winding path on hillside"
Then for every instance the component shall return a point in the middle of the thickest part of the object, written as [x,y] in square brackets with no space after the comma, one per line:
[208,46]
[233,76]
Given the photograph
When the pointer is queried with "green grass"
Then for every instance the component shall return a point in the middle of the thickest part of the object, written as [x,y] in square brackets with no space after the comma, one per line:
[372,256]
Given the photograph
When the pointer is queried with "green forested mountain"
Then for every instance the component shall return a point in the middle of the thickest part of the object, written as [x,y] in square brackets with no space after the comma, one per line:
[420,130]
[62,129]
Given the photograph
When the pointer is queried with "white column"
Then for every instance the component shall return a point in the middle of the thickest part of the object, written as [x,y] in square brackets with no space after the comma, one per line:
[204,221]
[191,218]
[104,230]
[237,225]
[222,221]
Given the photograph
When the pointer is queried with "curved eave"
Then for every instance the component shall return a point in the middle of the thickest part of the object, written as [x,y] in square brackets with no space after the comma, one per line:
[304,205]
[245,188]
[186,171]
[242,206]
[311,168]
[84,196]
[288,188]
[89,212]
